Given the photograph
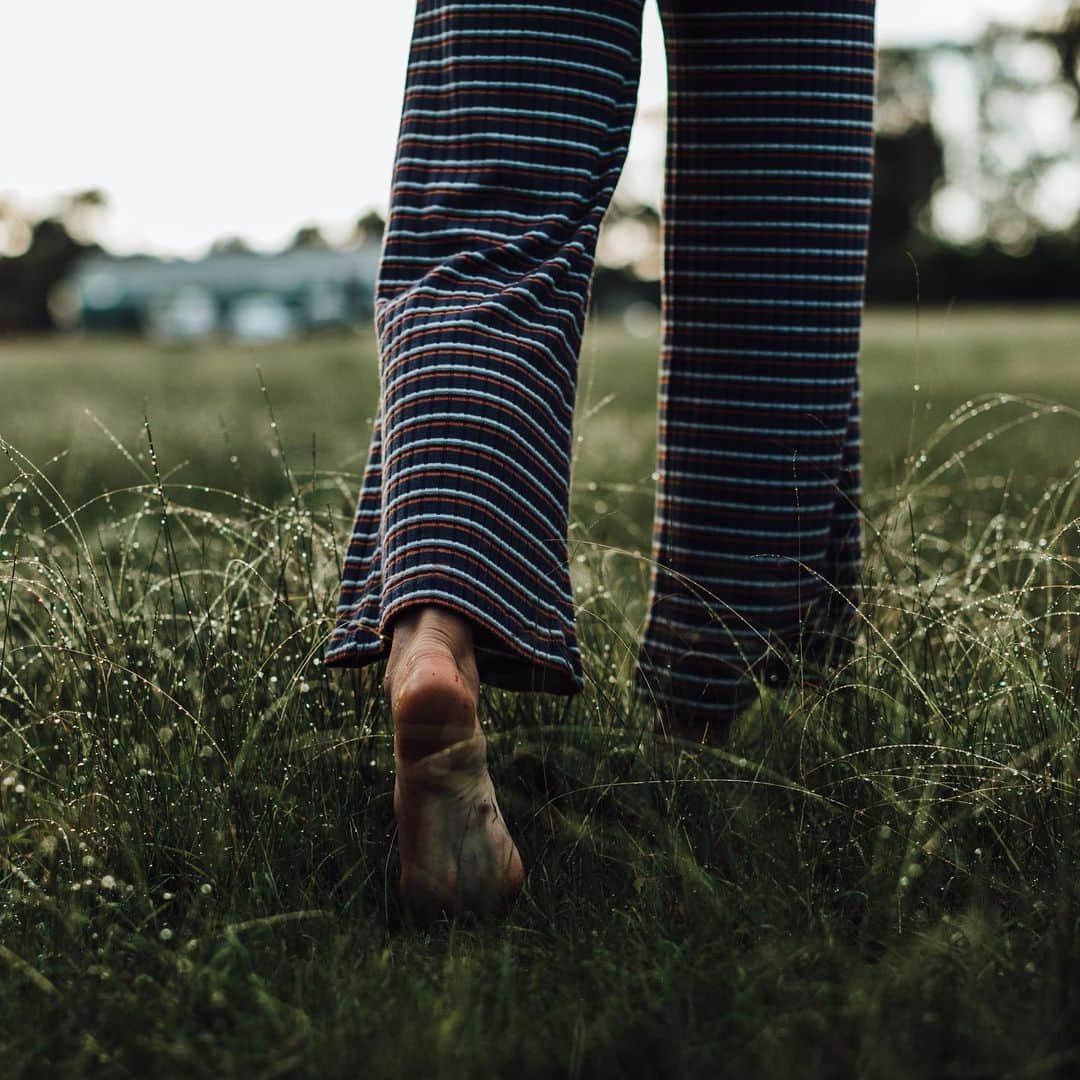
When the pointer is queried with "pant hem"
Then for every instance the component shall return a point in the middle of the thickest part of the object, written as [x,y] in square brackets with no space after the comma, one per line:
[504,659]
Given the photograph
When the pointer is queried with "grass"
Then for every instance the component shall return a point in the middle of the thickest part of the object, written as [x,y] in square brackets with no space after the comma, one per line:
[879,877]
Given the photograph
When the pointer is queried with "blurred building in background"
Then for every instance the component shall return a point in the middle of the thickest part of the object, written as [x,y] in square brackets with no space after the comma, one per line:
[245,295]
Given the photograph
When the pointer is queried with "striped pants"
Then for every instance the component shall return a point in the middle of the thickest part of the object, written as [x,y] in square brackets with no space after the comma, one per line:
[514,130]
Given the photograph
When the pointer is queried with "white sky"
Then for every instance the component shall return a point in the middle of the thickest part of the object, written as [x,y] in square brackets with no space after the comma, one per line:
[251,117]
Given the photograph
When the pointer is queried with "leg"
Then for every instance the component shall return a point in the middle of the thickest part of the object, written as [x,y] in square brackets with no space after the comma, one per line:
[766,217]
[513,134]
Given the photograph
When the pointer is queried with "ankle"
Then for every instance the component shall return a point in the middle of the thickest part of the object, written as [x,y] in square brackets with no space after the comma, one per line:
[431,682]
[429,631]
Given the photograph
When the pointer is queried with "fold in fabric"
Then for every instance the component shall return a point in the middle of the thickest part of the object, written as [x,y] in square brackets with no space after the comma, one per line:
[514,129]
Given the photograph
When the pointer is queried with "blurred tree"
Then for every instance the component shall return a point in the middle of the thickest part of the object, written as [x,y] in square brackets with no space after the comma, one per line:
[369,228]
[909,159]
[231,245]
[26,280]
[15,231]
[630,239]
[309,238]
[908,167]
[1065,41]
[81,212]
[1021,84]
[994,211]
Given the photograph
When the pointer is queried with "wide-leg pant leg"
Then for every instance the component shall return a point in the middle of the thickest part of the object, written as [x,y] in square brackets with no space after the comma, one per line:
[757,541]
[514,130]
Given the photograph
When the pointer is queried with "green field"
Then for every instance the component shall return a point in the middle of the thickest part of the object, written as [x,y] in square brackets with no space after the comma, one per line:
[879,877]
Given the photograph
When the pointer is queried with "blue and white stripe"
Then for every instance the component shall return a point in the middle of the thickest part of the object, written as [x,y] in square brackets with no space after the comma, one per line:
[514,129]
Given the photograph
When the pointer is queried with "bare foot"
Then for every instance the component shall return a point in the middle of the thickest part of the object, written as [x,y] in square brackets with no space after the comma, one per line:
[456,853]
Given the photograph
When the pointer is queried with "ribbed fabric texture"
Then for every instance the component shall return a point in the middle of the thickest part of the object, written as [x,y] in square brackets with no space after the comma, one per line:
[514,130]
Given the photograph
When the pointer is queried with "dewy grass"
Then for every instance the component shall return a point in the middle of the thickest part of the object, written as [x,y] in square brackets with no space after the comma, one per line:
[877,877]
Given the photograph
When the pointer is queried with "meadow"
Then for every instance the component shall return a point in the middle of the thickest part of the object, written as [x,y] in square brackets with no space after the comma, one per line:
[878,877]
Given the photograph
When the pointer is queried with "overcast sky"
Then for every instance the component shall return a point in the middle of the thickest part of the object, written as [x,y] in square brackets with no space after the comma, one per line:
[249,117]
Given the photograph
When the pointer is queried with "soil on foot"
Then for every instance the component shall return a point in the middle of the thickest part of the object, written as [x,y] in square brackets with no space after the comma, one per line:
[457,856]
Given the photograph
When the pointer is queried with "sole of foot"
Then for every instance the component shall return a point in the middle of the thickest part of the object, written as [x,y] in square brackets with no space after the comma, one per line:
[457,855]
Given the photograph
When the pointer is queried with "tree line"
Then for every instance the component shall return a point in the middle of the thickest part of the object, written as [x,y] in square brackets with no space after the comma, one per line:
[1016,251]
